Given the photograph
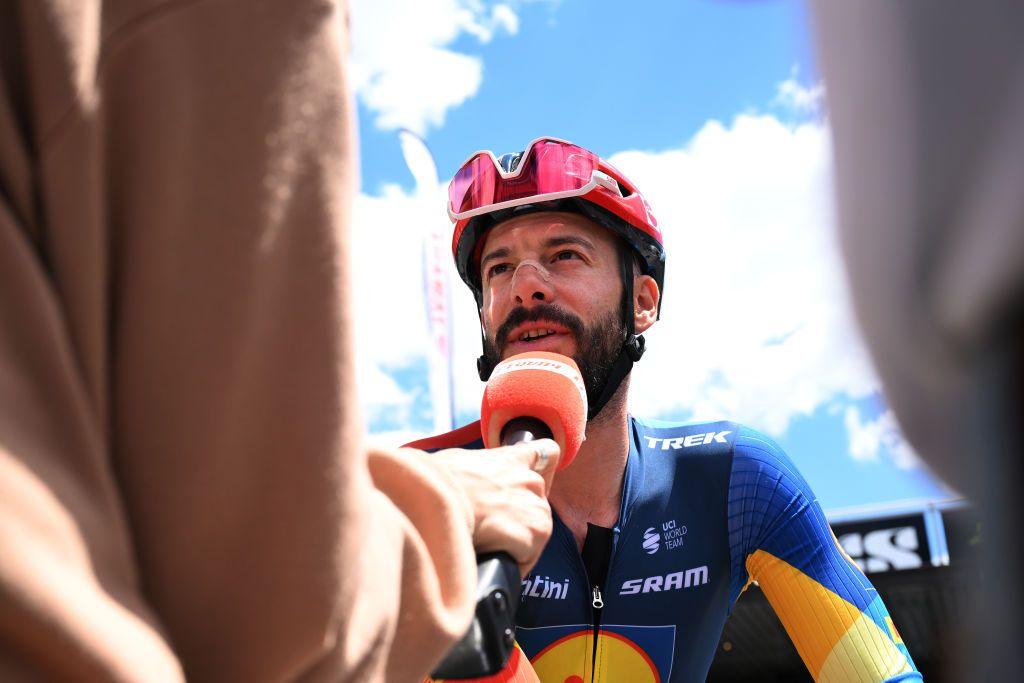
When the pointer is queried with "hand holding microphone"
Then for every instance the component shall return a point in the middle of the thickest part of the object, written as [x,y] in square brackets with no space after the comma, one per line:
[530,397]
[507,491]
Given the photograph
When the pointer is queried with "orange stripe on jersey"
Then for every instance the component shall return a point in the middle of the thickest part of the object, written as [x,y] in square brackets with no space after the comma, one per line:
[837,641]
[815,617]
[453,439]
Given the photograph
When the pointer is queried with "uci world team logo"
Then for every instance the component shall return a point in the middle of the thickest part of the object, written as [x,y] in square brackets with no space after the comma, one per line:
[652,541]
[670,536]
[630,654]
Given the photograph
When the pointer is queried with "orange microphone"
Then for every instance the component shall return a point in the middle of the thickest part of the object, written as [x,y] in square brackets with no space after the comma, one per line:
[535,395]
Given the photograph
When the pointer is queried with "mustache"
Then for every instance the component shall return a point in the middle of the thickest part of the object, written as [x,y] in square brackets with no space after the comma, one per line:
[542,312]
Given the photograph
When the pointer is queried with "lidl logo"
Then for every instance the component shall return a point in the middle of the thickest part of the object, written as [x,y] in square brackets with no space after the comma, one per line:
[564,654]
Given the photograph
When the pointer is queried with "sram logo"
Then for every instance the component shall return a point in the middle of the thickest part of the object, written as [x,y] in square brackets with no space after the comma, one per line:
[698,576]
[688,441]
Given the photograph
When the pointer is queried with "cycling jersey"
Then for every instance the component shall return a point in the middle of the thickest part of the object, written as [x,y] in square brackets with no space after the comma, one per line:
[706,509]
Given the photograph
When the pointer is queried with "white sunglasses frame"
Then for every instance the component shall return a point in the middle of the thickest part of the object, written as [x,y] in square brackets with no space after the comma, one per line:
[597,177]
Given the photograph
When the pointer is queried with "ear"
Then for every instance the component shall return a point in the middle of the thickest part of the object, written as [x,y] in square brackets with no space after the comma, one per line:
[645,302]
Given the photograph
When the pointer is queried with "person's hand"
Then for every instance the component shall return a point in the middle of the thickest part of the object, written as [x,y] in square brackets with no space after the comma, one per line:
[507,490]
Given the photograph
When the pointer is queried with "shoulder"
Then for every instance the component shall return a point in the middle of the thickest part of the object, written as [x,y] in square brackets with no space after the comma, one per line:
[765,485]
[464,437]
[756,452]
[751,451]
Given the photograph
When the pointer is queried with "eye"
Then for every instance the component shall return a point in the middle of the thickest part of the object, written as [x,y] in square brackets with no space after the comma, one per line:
[566,255]
[497,269]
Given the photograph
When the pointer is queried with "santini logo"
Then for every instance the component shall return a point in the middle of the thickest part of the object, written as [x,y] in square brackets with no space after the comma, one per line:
[651,539]
[698,576]
[687,441]
[544,587]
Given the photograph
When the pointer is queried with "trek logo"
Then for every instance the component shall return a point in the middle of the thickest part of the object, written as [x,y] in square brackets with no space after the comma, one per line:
[651,541]
[687,441]
[544,587]
[689,578]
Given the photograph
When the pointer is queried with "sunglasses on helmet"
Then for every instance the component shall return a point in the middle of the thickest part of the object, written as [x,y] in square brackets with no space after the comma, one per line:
[549,169]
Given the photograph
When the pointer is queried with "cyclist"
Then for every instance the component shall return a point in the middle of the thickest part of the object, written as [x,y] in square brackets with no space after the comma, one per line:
[658,526]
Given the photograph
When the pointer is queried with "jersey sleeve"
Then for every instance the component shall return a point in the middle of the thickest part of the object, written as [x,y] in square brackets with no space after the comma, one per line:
[779,537]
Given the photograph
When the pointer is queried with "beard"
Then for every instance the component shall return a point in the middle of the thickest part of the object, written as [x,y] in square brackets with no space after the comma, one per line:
[597,346]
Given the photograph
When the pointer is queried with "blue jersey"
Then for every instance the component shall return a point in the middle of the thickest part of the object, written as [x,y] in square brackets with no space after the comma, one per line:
[706,509]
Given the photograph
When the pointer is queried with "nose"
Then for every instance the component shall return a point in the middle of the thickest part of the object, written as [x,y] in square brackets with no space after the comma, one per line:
[531,284]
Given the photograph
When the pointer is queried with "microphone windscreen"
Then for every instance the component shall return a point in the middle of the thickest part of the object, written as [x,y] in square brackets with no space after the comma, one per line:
[545,386]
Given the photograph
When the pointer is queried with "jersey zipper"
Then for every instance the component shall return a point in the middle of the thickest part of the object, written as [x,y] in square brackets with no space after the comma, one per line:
[596,596]
[597,603]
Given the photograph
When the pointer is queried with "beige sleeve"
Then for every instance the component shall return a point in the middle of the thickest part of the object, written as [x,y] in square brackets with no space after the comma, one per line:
[182,485]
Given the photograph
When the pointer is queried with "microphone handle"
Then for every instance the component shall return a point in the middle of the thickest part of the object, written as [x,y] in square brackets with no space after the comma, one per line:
[486,646]
[520,429]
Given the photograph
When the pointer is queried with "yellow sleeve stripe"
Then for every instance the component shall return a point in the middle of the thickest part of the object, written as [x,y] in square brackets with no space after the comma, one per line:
[864,655]
[835,640]
[796,598]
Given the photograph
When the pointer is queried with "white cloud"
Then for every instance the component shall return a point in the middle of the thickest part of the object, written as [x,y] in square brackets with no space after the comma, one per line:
[377,389]
[401,66]
[388,275]
[793,94]
[388,236]
[503,16]
[867,439]
[755,324]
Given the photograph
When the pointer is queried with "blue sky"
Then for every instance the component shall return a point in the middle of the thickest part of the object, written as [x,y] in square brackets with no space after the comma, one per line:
[715,110]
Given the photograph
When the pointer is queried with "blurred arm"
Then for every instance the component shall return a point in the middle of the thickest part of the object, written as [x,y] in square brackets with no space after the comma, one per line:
[184,441]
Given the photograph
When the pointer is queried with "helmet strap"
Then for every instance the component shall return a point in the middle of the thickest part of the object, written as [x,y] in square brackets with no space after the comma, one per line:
[483,365]
[633,345]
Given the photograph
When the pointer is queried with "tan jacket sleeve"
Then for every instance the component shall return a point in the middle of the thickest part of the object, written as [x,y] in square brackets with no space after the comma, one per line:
[182,486]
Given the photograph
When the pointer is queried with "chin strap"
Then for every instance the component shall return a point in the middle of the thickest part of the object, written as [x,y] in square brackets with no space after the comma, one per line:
[633,345]
[631,352]
[484,368]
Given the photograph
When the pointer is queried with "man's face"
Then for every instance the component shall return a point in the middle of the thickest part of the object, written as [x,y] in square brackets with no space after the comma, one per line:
[552,282]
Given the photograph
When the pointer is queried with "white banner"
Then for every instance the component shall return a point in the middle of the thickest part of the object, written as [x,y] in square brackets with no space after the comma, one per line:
[436,288]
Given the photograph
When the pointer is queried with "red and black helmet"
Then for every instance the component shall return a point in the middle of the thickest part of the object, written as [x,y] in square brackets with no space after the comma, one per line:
[555,175]
[549,175]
